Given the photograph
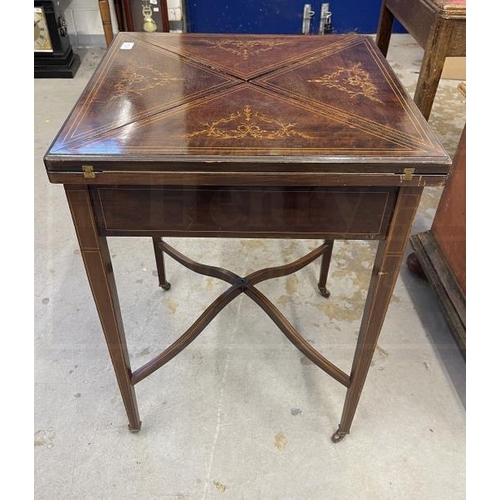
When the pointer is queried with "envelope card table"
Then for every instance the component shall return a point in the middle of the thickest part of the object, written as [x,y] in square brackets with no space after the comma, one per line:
[244,136]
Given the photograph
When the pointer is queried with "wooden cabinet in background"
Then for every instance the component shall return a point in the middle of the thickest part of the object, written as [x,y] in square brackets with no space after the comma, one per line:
[134,15]
[441,250]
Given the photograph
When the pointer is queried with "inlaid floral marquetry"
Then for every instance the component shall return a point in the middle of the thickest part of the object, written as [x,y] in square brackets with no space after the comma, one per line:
[139,79]
[206,98]
[248,123]
[355,81]
[246,49]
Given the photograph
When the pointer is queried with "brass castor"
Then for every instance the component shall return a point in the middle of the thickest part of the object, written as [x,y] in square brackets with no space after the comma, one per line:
[166,286]
[133,429]
[338,436]
[324,291]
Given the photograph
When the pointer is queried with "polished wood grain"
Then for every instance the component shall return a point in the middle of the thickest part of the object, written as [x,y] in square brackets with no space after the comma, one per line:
[244,212]
[97,261]
[384,275]
[296,103]
[245,136]
[258,177]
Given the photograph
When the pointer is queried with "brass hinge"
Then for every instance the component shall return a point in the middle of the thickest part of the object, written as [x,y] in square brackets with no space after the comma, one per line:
[408,174]
[88,171]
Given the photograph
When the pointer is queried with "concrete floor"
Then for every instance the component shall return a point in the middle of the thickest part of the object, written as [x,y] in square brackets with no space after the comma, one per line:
[240,414]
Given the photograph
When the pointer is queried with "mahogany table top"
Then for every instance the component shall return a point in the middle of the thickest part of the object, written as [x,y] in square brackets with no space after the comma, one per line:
[184,102]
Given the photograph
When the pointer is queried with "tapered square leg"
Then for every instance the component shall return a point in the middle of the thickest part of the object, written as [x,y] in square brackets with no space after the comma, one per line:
[384,29]
[432,66]
[160,264]
[384,275]
[325,267]
[97,261]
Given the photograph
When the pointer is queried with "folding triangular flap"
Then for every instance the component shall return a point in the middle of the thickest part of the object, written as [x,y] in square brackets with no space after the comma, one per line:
[244,121]
[249,56]
[354,85]
[138,80]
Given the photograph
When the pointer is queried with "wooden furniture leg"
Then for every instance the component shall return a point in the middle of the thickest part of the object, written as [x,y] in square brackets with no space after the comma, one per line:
[120,19]
[160,264]
[325,267]
[106,21]
[384,30]
[97,261]
[432,66]
[384,275]
[240,285]
[438,27]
